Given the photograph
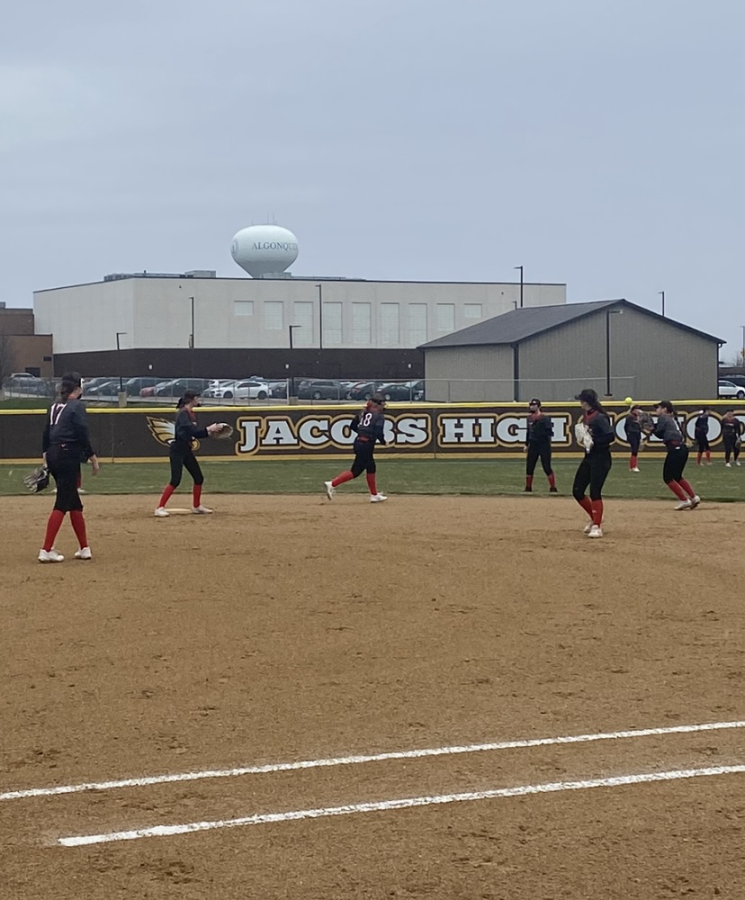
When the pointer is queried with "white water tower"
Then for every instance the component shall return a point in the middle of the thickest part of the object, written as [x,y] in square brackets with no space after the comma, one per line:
[264,250]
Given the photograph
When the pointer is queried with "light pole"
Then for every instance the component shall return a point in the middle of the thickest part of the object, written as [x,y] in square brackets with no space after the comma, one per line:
[521,285]
[291,385]
[119,360]
[742,356]
[608,314]
[320,316]
[191,336]
[662,294]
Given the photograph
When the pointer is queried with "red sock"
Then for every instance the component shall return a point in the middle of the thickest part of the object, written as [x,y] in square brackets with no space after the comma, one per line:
[586,504]
[528,481]
[167,494]
[197,495]
[698,459]
[708,456]
[677,490]
[78,526]
[686,485]
[371,483]
[340,479]
[552,480]
[632,462]
[597,512]
[54,523]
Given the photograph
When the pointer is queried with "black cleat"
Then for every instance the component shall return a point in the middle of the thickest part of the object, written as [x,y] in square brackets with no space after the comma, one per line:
[553,490]
[527,490]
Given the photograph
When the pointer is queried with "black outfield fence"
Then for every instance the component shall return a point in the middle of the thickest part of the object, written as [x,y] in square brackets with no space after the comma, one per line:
[467,430]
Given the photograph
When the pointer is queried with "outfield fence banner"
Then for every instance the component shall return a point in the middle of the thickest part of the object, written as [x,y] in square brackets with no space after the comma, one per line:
[419,430]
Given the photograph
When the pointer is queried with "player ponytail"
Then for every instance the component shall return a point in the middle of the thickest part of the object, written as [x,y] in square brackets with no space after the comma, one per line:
[188,397]
[590,397]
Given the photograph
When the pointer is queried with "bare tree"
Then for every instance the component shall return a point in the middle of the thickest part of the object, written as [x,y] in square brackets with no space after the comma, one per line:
[7,357]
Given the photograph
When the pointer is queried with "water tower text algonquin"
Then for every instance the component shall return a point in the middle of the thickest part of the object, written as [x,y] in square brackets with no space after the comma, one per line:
[279,324]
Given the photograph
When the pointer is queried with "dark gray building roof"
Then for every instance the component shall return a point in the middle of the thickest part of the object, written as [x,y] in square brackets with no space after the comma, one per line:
[521,324]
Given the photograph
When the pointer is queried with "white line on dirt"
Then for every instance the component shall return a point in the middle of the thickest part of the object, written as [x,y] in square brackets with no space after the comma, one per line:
[356,760]
[403,803]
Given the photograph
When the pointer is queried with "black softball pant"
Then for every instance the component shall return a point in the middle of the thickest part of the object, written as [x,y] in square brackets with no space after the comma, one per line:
[364,460]
[703,442]
[181,461]
[731,447]
[64,467]
[540,451]
[675,463]
[592,472]
[635,440]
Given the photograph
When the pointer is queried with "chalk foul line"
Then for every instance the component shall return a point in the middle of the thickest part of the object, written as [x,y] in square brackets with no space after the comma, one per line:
[403,803]
[370,758]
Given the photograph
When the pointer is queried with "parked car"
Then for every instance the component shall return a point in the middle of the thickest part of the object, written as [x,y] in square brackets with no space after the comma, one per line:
[91,384]
[23,383]
[727,389]
[739,380]
[362,390]
[104,389]
[320,390]
[177,386]
[278,388]
[405,390]
[238,390]
[133,386]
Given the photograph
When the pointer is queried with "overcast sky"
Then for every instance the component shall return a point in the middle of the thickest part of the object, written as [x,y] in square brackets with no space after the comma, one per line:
[598,144]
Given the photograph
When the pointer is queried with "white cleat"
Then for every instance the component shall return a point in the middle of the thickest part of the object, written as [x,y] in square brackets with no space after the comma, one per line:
[201,511]
[49,556]
[330,490]
[737,462]
[378,498]
[695,501]
[686,504]
[588,528]
[161,512]
[595,532]
[83,553]
[635,469]
[728,465]
[81,491]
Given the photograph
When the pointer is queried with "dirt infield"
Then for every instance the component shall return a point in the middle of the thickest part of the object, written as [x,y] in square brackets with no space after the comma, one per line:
[288,629]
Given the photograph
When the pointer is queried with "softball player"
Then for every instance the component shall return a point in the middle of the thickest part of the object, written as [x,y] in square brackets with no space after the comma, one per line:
[668,431]
[182,454]
[369,425]
[65,444]
[538,446]
[701,436]
[597,462]
[633,427]
[732,430]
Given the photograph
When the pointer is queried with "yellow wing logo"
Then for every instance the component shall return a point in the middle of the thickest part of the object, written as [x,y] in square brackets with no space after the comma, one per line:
[164,432]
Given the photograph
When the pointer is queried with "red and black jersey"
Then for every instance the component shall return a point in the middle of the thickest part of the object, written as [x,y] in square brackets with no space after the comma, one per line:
[540,429]
[369,425]
[601,429]
[67,424]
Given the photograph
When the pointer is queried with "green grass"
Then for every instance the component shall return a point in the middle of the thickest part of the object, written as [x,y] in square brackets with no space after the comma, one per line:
[397,476]
[25,403]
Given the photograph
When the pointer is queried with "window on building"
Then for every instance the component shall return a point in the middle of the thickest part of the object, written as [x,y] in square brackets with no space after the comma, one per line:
[332,324]
[390,324]
[472,311]
[446,317]
[303,315]
[243,307]
[361,324]
[274,315]
[417,324]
